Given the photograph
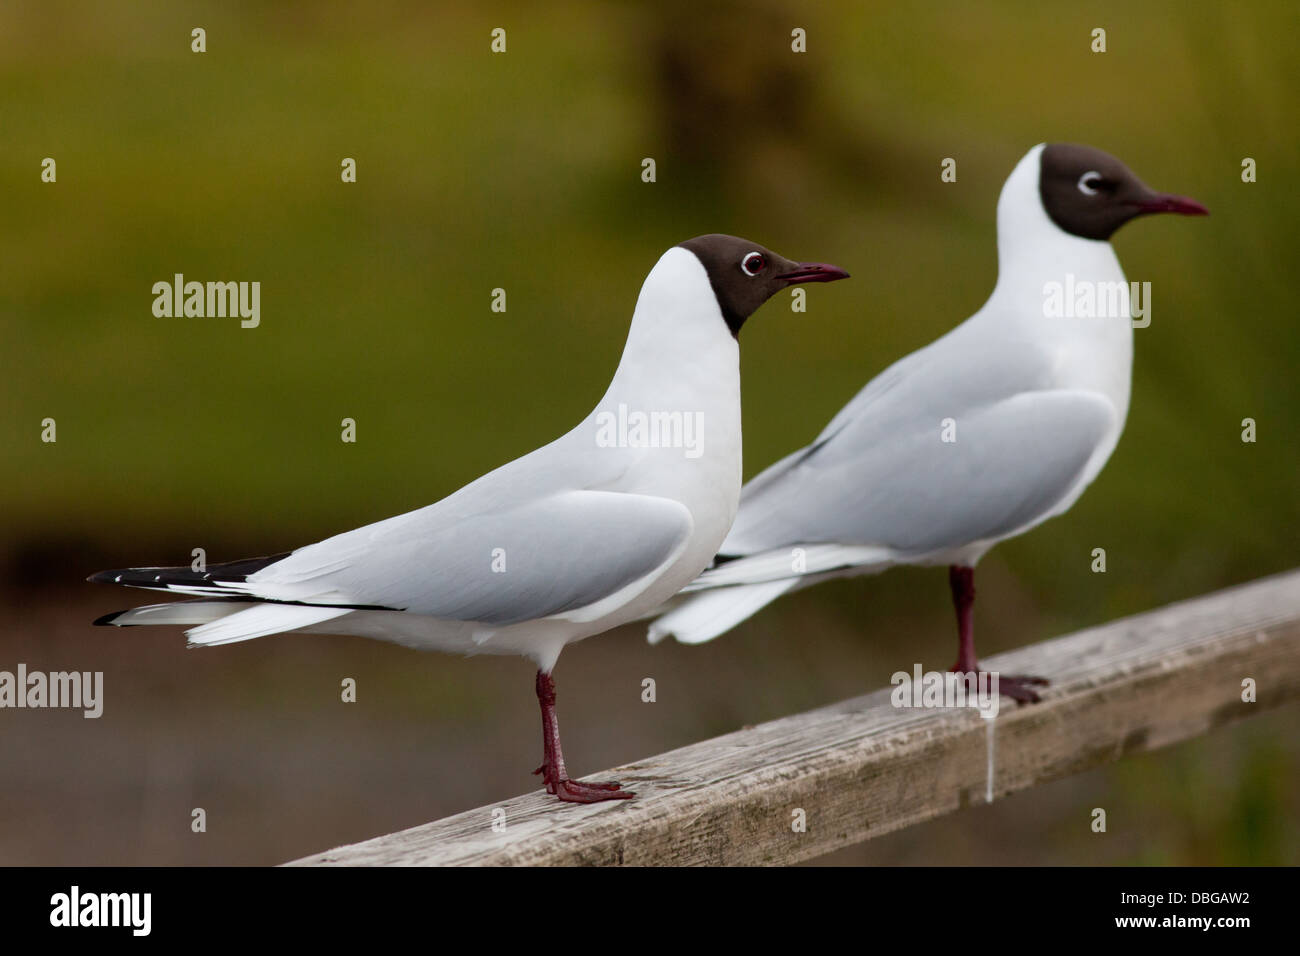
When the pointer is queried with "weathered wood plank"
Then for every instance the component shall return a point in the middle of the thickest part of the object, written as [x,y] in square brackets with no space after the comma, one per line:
[862,767]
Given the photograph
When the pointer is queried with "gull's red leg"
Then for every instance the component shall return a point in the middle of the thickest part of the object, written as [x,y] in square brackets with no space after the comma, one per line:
[961,580]
[552,768]
[962,583]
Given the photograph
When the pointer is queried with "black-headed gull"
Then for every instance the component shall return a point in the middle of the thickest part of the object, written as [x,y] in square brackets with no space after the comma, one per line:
[593,530]
[976,438]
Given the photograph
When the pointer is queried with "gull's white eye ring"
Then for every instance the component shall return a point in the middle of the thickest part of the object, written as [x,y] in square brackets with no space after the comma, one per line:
[753,263]
[1090,183]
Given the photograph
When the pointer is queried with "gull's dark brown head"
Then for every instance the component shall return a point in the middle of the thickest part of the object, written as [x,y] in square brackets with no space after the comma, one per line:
[1090,194]
[744,274]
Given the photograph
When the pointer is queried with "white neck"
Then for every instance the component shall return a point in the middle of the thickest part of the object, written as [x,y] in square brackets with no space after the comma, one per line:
[1032,248]
[681,360]
[1093,353]
[679,349]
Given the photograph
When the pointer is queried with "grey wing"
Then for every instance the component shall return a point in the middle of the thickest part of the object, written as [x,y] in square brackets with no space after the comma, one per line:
[547,556]
[1013,463]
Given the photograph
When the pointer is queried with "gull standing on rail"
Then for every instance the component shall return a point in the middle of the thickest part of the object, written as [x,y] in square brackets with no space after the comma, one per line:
[976,438]
[596,529]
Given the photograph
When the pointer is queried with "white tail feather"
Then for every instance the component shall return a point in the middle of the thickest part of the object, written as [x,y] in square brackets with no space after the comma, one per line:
[702,617]
[780,563]
[260,620]
[178,612]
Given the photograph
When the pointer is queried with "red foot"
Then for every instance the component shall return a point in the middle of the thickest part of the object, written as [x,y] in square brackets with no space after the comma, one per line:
[1019,687]
[572,791]
[575,791]
[961,579]
[552,768]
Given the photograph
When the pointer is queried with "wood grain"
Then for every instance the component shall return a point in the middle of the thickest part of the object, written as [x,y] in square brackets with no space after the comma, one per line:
[862,767]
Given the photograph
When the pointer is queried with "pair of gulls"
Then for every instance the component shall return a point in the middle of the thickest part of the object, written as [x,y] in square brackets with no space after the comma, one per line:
[583,535]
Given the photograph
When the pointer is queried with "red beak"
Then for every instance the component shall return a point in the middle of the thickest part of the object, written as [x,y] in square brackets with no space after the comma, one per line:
[1166,203]
[813,272]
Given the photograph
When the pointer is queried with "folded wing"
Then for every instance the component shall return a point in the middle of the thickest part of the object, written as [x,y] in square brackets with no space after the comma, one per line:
[916,486]
[554,555]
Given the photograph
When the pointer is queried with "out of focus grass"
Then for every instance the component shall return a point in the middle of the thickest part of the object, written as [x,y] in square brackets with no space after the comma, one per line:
[523,171]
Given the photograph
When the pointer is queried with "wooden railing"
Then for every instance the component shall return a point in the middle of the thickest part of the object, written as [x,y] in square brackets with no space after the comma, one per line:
[863,767]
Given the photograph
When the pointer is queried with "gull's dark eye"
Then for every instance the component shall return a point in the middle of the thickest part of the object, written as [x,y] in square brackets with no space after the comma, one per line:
[1091,183]
[753,263]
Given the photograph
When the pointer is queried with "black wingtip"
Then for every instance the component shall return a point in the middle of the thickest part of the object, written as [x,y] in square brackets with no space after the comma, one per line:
[213,577]
[107,619]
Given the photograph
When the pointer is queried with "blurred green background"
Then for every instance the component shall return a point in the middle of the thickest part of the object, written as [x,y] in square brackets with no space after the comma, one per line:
[522,170]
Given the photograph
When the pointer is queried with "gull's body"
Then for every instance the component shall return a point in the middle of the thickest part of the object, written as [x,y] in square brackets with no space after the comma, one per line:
[563,516]
[566,542]
[985,433]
